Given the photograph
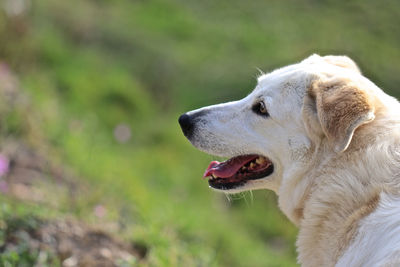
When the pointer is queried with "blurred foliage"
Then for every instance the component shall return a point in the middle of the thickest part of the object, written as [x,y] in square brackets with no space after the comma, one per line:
[91,65]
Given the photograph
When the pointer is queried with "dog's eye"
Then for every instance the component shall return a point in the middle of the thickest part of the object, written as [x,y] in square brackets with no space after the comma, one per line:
[261,109]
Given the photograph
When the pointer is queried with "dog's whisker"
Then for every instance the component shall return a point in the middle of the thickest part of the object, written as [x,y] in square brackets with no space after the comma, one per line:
[251,197]
[245,200]
[260,73]
[228,197]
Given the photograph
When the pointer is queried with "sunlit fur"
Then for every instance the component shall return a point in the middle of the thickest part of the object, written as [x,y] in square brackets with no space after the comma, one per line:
[334,139]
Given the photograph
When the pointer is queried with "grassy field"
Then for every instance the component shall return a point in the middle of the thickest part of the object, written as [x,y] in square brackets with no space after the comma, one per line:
[90,67]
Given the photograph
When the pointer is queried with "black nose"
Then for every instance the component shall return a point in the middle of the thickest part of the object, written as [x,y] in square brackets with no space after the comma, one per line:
[186,124]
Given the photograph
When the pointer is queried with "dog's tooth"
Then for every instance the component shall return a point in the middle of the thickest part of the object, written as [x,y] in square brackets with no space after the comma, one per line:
[260,160]
[252,165]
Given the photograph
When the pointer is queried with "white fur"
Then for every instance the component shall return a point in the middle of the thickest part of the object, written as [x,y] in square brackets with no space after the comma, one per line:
[378,237]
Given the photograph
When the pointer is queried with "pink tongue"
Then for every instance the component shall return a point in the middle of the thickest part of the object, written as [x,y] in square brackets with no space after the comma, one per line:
[228,168]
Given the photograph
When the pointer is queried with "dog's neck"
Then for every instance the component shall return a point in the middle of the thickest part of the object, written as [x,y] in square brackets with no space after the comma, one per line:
[339,194]
[330,217]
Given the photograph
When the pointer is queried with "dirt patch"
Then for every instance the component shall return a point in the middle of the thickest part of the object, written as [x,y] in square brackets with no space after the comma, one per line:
[69,242]
[32,177]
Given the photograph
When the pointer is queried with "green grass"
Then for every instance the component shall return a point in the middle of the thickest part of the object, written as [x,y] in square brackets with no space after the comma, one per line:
[88,66]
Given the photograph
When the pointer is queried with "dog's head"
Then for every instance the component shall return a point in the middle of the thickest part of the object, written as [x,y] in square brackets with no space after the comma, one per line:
[272,135]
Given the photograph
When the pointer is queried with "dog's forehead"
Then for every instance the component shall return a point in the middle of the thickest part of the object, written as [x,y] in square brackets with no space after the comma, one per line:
[282,81]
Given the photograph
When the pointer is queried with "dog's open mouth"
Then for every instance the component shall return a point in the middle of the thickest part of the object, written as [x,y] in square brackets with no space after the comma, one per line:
[237,171]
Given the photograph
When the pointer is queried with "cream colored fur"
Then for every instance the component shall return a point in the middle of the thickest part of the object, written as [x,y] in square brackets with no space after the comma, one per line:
[334,139]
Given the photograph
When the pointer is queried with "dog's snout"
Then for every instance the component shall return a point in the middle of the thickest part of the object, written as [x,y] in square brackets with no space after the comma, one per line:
[186,123]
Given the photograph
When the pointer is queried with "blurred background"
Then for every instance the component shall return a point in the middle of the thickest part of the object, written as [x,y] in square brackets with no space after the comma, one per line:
[94,169]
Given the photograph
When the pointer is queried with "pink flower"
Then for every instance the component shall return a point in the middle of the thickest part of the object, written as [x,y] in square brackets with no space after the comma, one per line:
[100,211]
[4,165]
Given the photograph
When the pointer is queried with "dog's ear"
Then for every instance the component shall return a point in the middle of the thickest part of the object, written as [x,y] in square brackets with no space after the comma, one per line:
[342,61]
[339,107]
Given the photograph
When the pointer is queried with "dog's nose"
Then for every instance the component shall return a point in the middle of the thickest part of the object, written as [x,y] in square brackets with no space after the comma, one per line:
[186,124]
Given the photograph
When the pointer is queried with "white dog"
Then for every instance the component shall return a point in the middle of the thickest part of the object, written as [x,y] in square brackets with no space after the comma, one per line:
[327,141]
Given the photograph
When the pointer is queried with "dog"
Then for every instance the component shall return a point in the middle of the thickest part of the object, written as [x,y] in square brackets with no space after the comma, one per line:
[326,140]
